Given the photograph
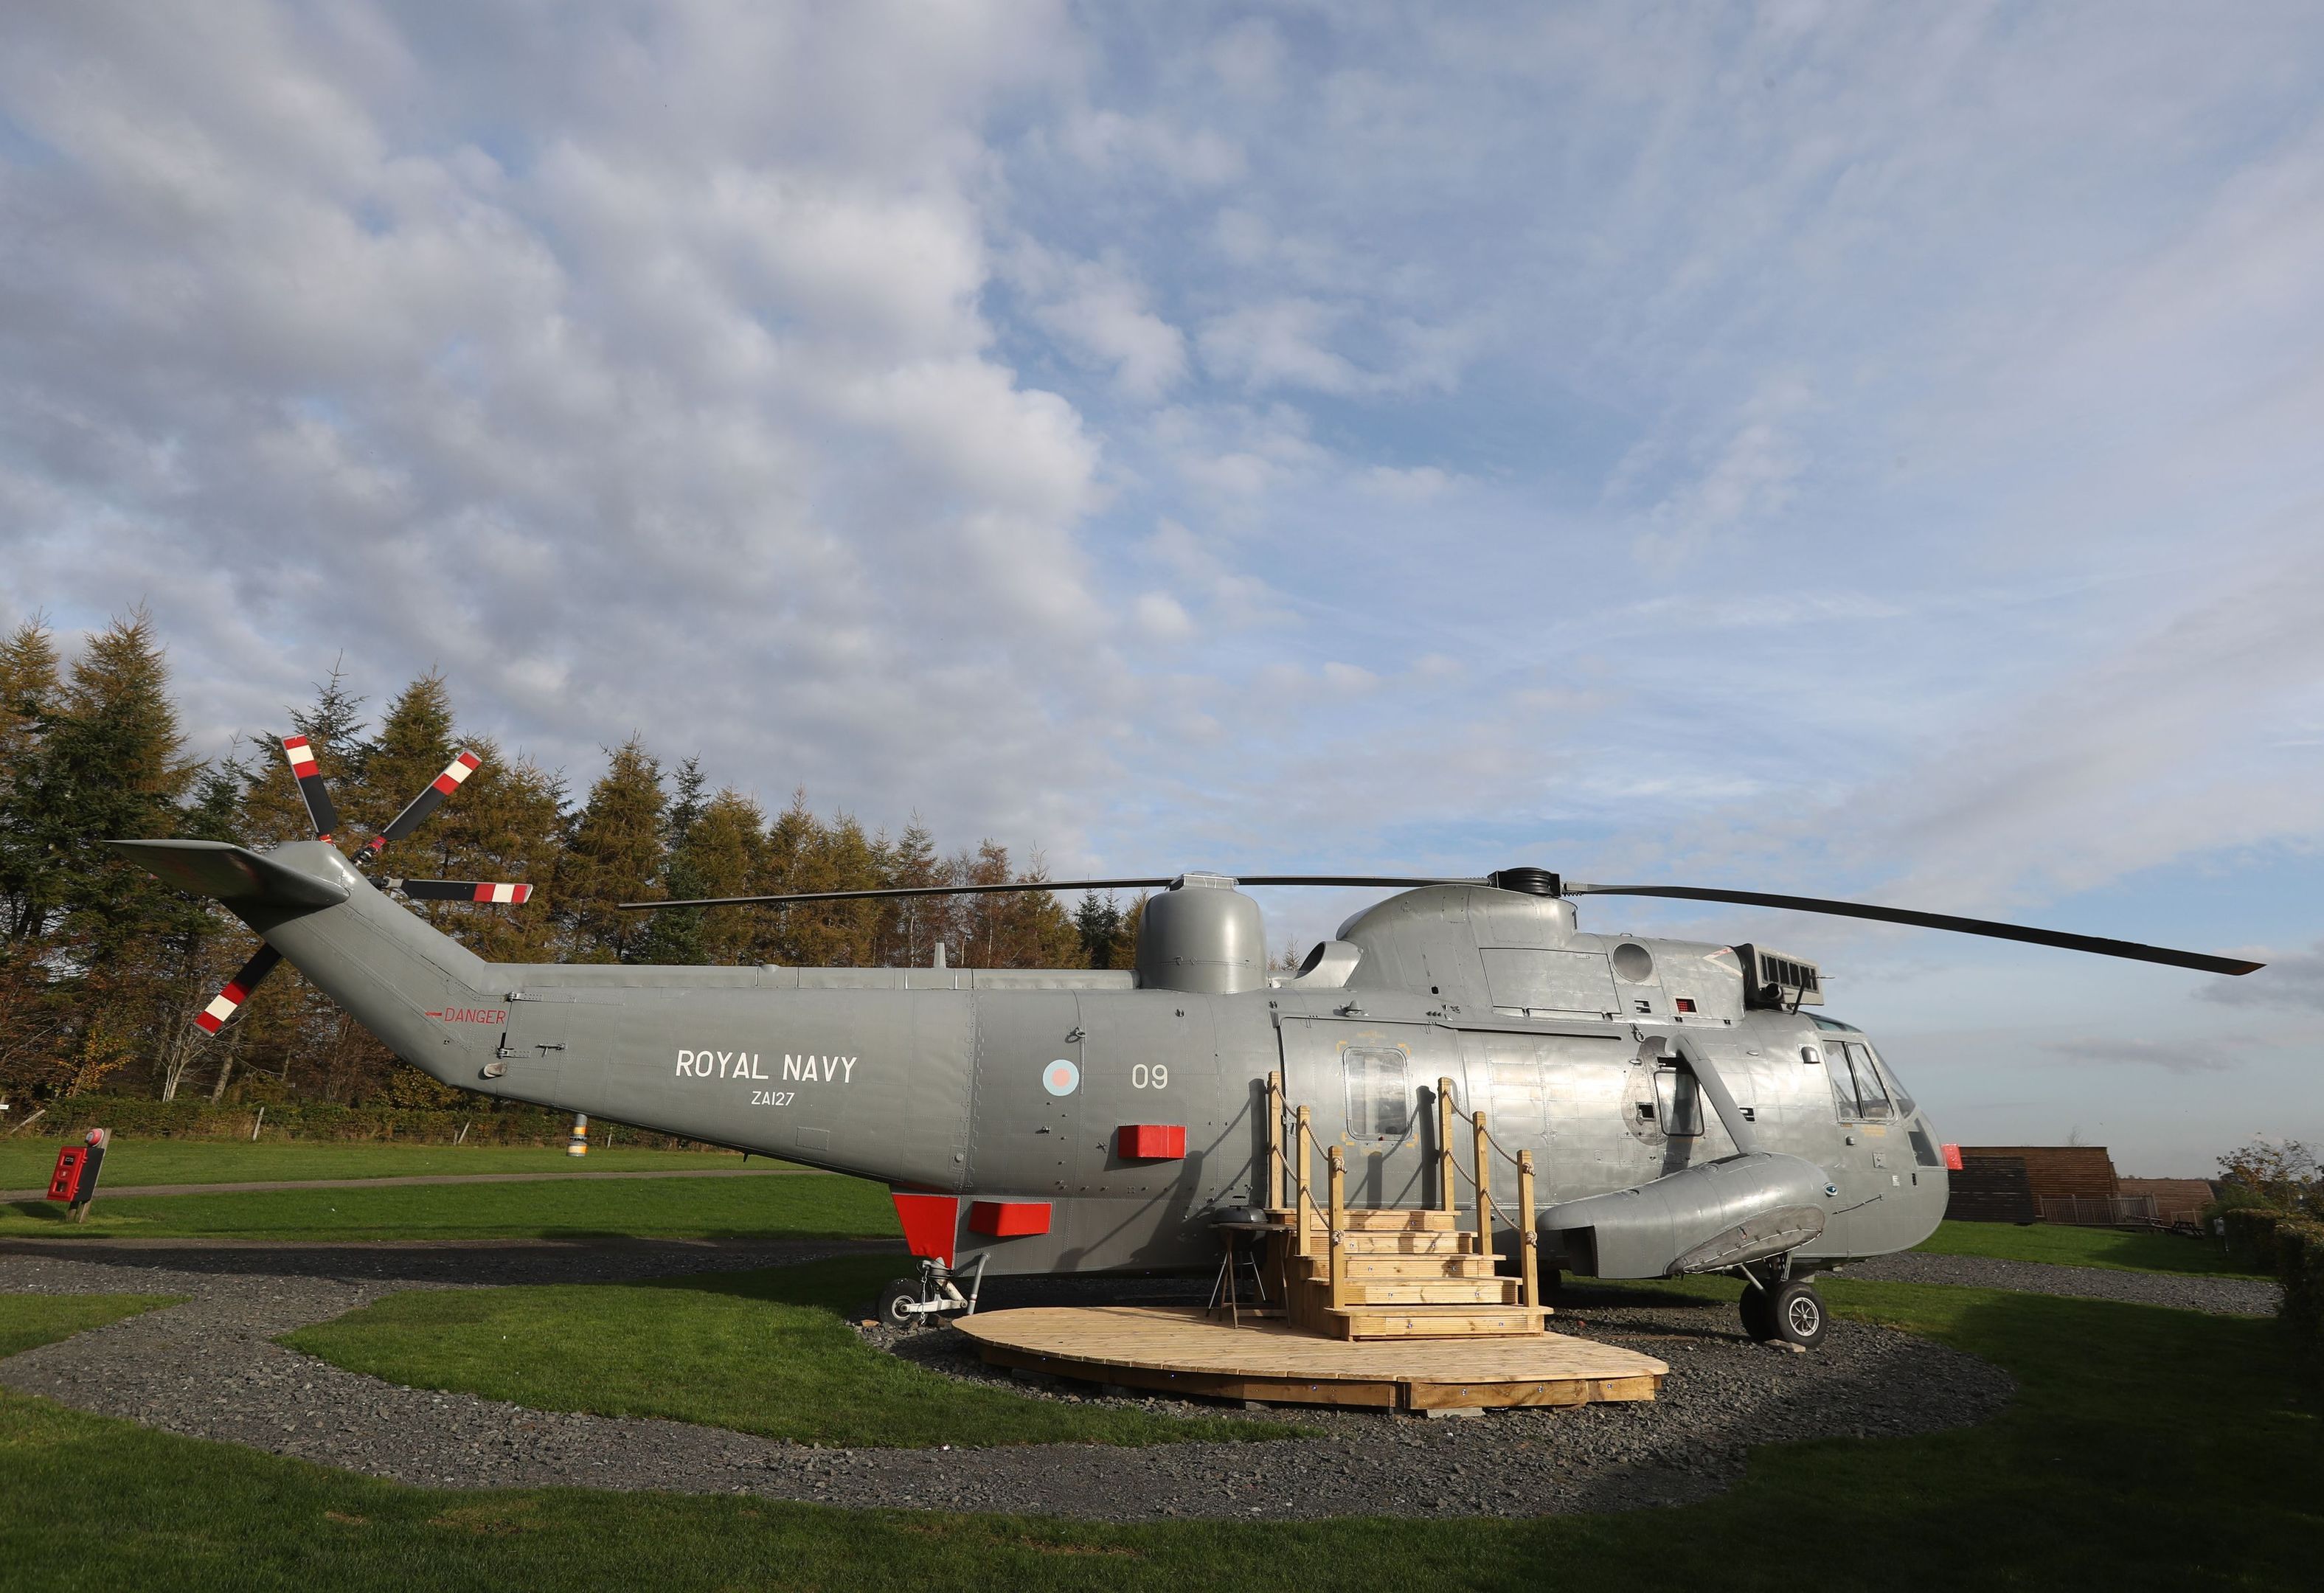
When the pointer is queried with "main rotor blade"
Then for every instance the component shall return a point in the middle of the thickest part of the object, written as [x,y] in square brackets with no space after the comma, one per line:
[2202,961]
[1398,881]
[420,806]
[311,789]
[896,891]
[229,1001]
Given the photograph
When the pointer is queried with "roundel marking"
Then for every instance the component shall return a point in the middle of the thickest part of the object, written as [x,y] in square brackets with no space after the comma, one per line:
[1061,1077]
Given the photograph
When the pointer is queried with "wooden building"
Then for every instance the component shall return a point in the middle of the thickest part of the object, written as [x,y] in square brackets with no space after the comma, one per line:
[2034,1183]
[2176,1200]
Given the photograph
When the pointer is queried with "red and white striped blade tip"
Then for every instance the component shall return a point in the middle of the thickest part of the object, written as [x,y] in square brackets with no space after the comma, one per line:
[458,769]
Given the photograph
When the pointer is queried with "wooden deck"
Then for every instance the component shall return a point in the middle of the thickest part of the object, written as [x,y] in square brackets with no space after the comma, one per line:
[1184,1351]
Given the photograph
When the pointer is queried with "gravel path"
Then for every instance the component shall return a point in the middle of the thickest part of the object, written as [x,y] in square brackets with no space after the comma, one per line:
[208,1368]
[111,1193]
[2231,1296]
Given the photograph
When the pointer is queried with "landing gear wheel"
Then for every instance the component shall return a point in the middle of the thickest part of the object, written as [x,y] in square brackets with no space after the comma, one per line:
[1758,1321]
[903,1292]
[1798,1315]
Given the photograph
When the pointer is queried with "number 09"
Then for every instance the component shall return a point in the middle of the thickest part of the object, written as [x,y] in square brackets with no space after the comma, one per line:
[1142,1077]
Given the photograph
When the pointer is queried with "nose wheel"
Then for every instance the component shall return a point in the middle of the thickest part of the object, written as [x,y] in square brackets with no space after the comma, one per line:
[1789,1312]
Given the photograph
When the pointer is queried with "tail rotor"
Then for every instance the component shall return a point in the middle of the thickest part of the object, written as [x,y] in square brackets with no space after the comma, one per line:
[316,793]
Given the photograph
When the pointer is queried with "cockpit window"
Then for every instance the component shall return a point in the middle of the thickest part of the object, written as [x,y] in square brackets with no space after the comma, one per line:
[1857,1087]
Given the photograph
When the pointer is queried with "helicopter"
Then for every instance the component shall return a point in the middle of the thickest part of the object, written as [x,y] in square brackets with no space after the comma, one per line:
[1689,1111]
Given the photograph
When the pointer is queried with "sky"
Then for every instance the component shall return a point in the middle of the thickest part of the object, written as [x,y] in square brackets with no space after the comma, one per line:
[1856,450]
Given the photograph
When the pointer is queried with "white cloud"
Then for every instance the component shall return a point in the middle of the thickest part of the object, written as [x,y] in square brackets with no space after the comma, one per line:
[2170,1056]
[1102,313]
[1161,617]
[1416,484]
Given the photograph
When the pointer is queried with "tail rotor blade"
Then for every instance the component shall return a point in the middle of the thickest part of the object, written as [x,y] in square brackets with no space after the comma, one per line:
[463,891]
[311,789]
[416,812]
[213,1017]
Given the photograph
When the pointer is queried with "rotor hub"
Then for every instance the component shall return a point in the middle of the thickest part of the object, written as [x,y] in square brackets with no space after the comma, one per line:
[1527,882]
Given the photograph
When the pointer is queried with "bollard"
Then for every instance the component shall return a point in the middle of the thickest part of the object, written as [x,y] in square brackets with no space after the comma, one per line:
[578,1146]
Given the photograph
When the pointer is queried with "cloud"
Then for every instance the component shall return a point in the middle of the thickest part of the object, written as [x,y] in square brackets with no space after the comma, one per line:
[2170,1056]
[1872,457]
[1160,616]
[2293,980]
[1101,312]
[1416,484]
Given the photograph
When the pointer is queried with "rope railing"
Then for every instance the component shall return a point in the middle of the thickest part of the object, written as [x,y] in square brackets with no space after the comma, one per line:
[1292,1175]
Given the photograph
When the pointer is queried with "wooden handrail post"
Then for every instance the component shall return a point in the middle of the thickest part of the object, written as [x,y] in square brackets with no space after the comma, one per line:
[1307,1201]
[1447,1194]
[1528,1241]
[1339,1225]
[1484,1185]
[1274,1140]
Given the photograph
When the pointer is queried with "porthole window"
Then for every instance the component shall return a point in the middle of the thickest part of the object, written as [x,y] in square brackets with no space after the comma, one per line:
[1634,962]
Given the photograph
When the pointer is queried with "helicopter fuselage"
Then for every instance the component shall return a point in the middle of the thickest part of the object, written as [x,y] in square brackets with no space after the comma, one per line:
[1078,1122]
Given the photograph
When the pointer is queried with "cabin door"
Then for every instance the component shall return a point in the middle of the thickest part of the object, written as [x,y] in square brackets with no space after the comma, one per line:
[1370,1089]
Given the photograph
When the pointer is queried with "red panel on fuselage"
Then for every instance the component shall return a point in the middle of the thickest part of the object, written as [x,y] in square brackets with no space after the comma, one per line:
[1008,1220]
[1151,1142]
[931,1221]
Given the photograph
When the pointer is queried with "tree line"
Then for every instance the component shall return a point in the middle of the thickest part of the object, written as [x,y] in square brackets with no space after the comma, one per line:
[103,968]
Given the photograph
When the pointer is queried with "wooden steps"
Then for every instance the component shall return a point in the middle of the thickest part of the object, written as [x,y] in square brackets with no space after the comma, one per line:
[1439,1321]
[1406,1272]
[1400,1264]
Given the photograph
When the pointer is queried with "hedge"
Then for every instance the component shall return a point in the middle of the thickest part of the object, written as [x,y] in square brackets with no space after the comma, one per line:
[2299,1264]
[138,1117]
[2251,1235]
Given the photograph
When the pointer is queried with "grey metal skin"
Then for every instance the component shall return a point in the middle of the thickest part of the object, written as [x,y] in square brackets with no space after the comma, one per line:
[935,1079]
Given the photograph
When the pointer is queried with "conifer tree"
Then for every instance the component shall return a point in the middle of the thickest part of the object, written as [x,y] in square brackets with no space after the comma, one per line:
[613,852]
[108,764]
[675,936]
[721,850]
[1107,937]
[910,927]
[28,692]
[806,854]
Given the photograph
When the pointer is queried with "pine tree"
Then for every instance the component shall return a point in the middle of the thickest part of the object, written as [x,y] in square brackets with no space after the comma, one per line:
[271,809]
[803,855]
[414,743]
[613,852]
[1104,934]
[108,763]
[720,850]
[28,692]
[909,927]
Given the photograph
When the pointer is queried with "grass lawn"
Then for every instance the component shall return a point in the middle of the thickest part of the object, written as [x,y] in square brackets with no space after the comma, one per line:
[765,1352]
[821,1204]
[2148,1449]
[2118,1249]
[30,1319]
[25,1164]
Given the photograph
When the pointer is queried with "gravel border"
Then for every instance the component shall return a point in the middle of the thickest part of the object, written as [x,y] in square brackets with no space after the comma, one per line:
[2227,1296]
[209,1369]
